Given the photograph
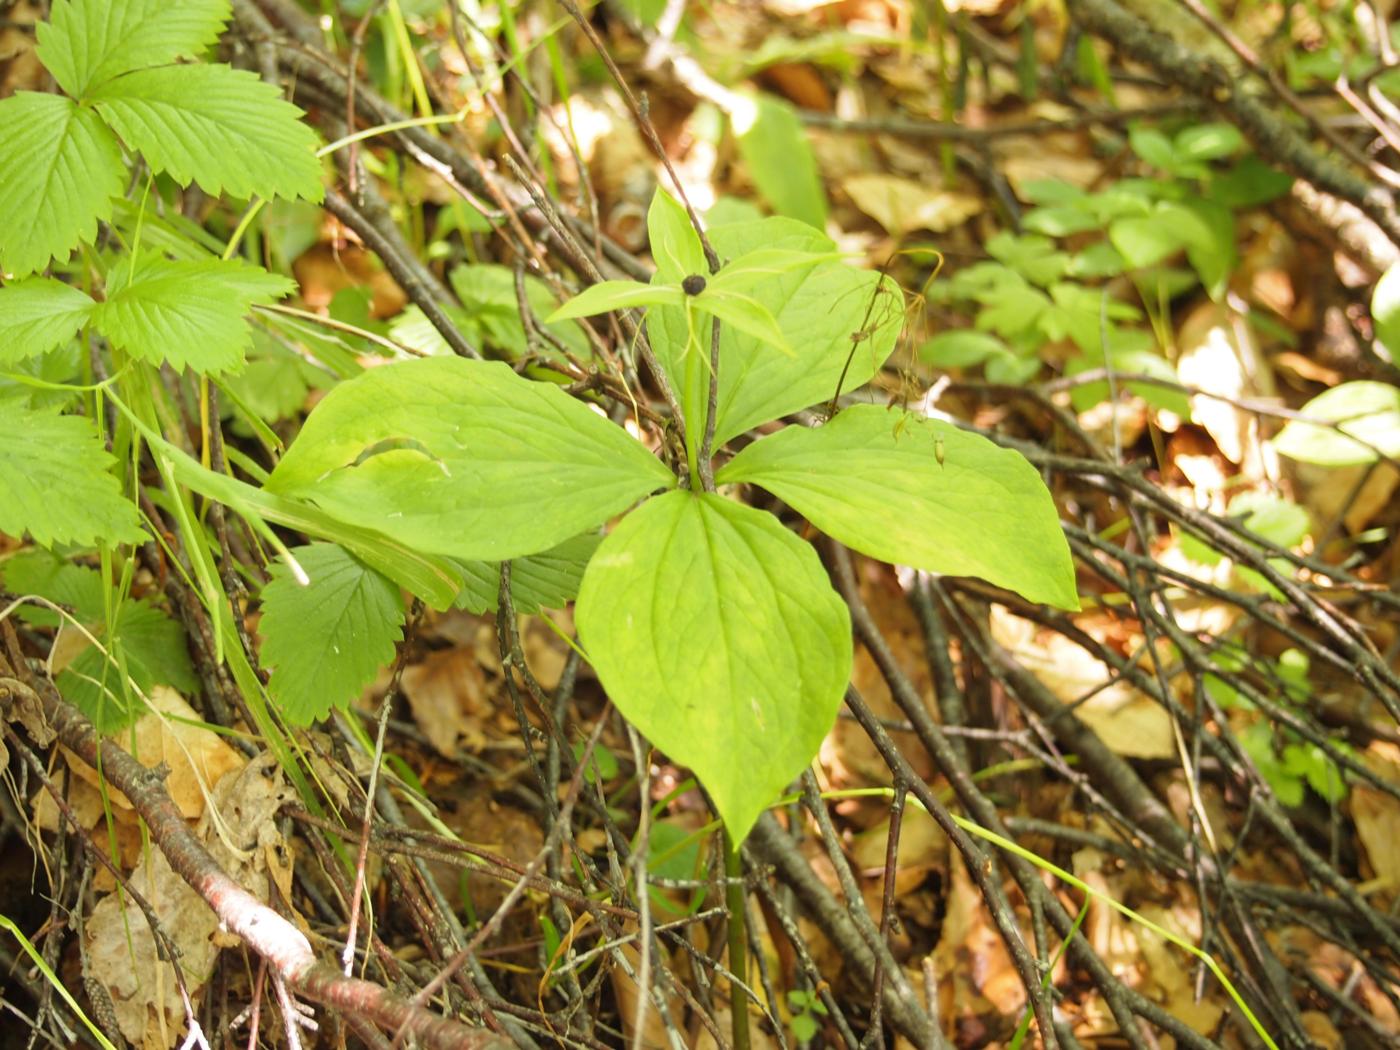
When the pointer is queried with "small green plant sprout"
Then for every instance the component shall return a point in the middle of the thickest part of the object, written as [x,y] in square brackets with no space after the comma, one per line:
[713,627]
[807,1011]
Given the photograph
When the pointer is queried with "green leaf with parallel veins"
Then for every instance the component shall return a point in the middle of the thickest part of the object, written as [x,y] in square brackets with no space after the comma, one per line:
[779,156]
[919,492]
[717,634]
[675,246]
[186,314]
[606,296]
[57,481]
[1366,410]
[747,314]
[326,641]
[465,458]
[829,314]
[59,170]
[221,127]
[86,42]
[37,315]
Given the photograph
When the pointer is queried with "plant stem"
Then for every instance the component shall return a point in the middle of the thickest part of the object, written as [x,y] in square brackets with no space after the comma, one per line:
[738,942]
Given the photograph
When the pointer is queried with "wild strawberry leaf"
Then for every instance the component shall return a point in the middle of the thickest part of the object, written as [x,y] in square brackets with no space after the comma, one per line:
[220,127]
[57,481]
[59,170]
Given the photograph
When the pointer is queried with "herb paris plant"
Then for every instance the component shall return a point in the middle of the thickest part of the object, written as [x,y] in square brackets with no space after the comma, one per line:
[713,627]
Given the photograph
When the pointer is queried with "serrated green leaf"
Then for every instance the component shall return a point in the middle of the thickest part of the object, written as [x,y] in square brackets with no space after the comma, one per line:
[152,648]
[606,296]
[548,580]
[41,572]
[746,709]
[465,458]
[919,492]
[57,481]
[1366,410]
[326,641]
[59,170]
[675,246]
[829,314]
[221,127]
[37,315]
[86,42]
[186,314]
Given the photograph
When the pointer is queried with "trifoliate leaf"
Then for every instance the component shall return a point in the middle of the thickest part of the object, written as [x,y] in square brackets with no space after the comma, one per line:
[57,482]
[748,707]
[86,42]
[37,315]
[186,313]
[59,170]
[221,127]
[326,640]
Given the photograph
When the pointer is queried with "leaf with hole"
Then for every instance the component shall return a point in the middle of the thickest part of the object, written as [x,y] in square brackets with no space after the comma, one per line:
[466,459]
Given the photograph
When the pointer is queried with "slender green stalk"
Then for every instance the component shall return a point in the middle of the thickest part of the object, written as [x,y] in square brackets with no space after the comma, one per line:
[738,943]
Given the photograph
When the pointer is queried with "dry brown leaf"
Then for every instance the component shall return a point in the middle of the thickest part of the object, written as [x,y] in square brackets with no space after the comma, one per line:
[1332,492]
[120,946]
[904,205]
[1377,814]
[447,693]
[324,269]
[197,758]
[1127,721]
[122,955]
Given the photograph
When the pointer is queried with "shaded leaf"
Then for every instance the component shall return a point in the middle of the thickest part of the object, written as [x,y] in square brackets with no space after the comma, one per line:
[39,314]
[186,314]
[57,481]
[325,641]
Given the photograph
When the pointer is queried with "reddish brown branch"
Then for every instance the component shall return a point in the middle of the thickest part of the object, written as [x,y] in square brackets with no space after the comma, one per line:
[269,934]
